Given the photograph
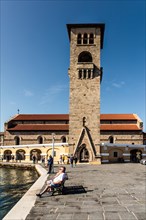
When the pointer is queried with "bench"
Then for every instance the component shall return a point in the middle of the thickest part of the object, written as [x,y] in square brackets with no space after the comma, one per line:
[60,189]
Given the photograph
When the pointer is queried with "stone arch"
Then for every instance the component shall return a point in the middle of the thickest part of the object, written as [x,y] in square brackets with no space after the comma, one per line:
[83,154]
[7,155]
[20,154]
[36,153]
[135,155]
[85,56]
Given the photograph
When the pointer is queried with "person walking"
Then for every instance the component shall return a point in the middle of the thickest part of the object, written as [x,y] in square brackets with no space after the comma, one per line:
[50,163]
[75,159]
[71,161]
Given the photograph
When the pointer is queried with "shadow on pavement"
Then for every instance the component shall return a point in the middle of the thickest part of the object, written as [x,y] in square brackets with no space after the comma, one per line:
[74,190]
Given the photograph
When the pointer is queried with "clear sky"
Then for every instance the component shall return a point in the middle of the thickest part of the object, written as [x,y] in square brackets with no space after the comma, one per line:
[35,55]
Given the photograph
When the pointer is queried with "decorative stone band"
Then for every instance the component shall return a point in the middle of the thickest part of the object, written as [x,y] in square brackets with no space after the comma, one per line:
[124,154]
[104,154]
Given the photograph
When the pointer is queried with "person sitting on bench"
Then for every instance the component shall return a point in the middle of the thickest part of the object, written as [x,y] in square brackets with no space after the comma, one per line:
[55,182]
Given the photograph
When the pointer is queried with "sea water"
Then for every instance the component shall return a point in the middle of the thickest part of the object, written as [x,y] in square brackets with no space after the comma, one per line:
[13,185]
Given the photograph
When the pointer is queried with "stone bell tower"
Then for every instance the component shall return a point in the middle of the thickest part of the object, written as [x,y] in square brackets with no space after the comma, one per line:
[86,41]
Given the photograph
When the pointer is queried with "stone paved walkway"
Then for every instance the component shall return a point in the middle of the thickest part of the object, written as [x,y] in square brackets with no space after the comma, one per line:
[97,192]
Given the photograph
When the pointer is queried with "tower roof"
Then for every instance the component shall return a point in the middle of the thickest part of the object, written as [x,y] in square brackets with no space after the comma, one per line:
[88,25]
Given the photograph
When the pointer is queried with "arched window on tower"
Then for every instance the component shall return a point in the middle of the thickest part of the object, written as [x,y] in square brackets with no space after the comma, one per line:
[111,139]
[84,56]
[84,74]
[91,38]
[80,74]
[40,140]
[85,39]
[79,39]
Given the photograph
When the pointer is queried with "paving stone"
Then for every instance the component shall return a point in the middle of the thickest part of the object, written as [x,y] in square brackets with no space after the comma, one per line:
[114,208]
[141,215]
[80,216]
[96,216]
[65,216]
[106,196]
[127,216]
[112,216]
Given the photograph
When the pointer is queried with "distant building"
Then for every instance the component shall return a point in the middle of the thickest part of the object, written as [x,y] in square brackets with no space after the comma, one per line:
[83,131]
[37,129]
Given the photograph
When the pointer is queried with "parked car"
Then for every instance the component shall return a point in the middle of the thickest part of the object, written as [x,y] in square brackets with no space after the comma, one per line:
[143,161]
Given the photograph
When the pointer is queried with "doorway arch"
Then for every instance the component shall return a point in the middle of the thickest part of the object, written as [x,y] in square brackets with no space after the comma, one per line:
[36,153]
[20,154]
[83,154]
[135,155]
[7,155]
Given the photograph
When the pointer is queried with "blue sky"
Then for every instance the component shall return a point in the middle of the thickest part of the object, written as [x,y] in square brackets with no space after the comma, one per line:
[35,55]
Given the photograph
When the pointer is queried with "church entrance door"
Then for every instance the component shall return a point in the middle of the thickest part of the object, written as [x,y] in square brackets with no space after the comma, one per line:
[84,155]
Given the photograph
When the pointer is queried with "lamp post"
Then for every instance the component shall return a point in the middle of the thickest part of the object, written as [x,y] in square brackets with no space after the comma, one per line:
[53,139]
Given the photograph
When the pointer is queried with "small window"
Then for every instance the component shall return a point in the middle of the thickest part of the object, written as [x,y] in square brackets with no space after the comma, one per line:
[80,74]
[63,139]
[115,154]
[40,140]
[85,39]
[89,74]
[111,139]
[84,74]
[79,39]
[91,39]
[17,140]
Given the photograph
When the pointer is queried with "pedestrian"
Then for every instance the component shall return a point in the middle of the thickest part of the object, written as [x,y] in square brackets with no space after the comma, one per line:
[50,164]
[71,161]
[60,159]
[34,159]
[12,158]
[63,158]
[75,159]
[43,160]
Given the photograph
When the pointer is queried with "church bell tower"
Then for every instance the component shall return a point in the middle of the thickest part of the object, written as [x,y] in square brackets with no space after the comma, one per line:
[86,42]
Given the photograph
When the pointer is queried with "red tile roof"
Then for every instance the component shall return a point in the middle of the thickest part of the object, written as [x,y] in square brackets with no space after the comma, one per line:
[38,117]
[117,117]
[65,127]
[119,127]
[41,127]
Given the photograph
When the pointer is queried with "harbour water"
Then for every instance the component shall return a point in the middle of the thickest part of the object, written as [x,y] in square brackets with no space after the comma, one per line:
[13,185]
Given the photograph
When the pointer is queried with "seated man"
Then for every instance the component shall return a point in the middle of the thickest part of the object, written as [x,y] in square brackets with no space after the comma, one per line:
[55,182]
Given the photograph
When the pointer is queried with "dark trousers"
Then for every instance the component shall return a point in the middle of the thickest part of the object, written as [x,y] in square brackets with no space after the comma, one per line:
[50,168]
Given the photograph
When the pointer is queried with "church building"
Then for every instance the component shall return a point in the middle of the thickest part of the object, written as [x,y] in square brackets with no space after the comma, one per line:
[84,132]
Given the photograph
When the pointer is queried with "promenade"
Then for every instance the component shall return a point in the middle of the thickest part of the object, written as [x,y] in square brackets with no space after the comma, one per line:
[97,192]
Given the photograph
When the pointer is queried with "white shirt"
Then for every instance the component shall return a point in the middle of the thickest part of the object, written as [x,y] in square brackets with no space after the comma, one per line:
[59,178]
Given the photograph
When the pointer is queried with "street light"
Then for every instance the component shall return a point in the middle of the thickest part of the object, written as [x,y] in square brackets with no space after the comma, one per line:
[53,139]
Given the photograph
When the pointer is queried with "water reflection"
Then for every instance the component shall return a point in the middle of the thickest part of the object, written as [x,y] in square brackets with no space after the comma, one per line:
[13,185]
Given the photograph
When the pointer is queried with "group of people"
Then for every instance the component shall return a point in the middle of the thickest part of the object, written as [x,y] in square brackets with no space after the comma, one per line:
[62,159]
[73,160]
